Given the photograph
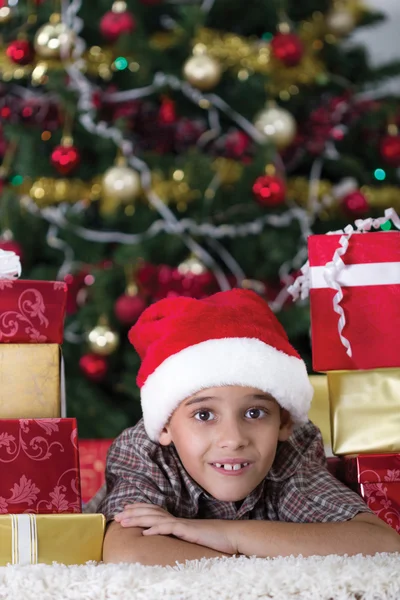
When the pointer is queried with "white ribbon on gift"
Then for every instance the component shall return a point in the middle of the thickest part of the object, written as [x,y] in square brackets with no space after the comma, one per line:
[24,542]
[335,274]
[10,265]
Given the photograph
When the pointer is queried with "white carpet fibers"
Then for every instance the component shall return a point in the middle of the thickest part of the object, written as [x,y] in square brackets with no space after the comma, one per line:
[316,578]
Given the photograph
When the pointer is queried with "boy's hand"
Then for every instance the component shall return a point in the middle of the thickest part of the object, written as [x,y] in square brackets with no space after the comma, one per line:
[217,534]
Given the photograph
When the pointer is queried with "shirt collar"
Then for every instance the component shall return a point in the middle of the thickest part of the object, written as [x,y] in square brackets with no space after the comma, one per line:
[287,460]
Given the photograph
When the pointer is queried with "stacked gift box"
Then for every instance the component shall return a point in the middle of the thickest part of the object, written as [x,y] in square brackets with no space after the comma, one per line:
[92,457]
[40,488]
[353,278]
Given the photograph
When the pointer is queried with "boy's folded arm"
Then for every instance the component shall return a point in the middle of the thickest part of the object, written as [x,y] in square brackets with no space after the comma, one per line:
[365,534]
[129,545]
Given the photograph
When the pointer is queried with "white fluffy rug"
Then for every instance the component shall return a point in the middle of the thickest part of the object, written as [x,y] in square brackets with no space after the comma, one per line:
[316,578]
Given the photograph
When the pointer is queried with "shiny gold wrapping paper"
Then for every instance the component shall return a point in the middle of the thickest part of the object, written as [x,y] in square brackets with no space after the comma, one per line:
[30,381]
[319,411]
[66,539]
[365,411]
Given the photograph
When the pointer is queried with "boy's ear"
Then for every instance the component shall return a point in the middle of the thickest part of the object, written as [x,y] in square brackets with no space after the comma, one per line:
[286,428]
[165,437]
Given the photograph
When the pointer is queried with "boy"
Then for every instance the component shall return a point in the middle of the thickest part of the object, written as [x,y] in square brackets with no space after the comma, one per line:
[225,460]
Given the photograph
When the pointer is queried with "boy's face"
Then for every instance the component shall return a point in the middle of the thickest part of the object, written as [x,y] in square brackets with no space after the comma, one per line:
[231,423]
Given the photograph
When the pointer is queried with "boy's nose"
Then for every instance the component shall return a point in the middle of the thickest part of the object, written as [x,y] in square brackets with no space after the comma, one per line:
[231,435]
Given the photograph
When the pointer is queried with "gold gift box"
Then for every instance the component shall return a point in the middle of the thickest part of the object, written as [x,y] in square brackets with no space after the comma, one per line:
[65,539]
[31,382]
[319,411]
[365,411]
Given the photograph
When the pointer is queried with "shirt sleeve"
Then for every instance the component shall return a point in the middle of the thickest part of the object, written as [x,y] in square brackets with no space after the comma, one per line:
[131,476]
[313,495]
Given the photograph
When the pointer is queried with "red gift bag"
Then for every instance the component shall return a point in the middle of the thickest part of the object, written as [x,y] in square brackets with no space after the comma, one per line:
[370,284]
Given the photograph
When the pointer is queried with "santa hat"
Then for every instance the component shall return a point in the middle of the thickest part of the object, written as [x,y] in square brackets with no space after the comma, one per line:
[230,338]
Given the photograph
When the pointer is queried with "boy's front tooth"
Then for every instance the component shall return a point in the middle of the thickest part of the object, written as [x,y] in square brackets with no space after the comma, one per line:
[228,467]
[236,467]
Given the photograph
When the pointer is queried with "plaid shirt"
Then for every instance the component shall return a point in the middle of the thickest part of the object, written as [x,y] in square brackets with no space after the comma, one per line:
[298,487]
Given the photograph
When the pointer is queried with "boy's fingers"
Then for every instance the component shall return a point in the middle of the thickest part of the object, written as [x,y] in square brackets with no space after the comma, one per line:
[148,504]
[140,511]
[162,529]
[143,521]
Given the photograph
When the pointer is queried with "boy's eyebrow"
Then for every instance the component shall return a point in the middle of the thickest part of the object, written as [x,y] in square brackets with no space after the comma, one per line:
[199,399]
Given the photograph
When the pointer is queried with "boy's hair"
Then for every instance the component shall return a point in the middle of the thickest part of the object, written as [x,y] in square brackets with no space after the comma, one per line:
[230,338]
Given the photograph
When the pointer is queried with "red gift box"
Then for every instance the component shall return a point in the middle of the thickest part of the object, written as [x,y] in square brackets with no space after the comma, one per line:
[39,461]
[370,284]
[92,456]
[376,477]
[32,311]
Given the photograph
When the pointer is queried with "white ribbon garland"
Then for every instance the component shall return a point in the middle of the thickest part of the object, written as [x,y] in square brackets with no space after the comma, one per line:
[169,222]
[57,216]
[10,265]
[332,269]
[84,89]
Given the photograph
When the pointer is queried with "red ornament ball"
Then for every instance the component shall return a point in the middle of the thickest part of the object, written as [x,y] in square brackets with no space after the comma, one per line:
[236,144]
[355,204]
[390,150]
[20,52]
[167,112]
[114,24]
[12,246]
[288,48]
[65,159]
[93,366]
[129,308]
[269,190]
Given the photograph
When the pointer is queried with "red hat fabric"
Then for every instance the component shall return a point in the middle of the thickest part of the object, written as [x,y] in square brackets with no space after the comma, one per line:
[230,338]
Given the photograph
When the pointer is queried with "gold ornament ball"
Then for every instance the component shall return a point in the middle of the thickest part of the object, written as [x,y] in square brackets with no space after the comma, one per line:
[52,38]
[340,21]
[6,14]
[202,72]
[103,340]
[121,183]
[278,126]
[191,266]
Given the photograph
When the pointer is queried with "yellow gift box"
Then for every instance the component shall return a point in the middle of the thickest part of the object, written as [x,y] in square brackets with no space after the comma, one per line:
[67,539]
[365,411]
[319,411]
[31,381]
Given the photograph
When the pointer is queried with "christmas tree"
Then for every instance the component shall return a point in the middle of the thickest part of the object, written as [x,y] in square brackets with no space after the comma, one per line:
[160,147]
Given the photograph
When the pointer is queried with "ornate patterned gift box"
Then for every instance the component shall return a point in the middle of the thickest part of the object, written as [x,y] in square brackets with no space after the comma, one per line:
[39,462]
[32,311]
[376,477]
[92,457]
[31,381]
[65,539]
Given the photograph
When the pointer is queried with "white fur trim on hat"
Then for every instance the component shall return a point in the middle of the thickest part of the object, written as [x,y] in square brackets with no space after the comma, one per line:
[219,362]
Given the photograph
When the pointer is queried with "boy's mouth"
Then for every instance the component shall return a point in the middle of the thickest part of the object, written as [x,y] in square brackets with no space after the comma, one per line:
[230,468]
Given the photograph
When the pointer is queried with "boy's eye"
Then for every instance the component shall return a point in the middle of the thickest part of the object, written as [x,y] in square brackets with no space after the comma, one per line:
[255,413]
[202,415]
